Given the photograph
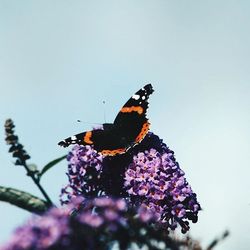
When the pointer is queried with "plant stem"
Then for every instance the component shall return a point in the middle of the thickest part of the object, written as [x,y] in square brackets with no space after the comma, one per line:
[36,181]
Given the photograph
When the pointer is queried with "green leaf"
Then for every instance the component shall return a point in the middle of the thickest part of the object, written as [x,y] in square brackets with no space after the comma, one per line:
[50,165]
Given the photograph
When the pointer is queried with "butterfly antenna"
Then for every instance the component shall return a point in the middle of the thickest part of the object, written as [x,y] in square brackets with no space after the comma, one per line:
[89,123]
[104,111]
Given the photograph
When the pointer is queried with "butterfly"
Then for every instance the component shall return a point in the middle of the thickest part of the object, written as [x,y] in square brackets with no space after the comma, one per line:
[128,129]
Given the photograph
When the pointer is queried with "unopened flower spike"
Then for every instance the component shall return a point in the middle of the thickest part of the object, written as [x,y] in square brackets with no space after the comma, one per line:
[16,148]
[22,156]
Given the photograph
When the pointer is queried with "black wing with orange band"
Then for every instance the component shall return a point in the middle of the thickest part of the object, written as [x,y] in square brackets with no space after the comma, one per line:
[131,119]
[106,142]
[129,128]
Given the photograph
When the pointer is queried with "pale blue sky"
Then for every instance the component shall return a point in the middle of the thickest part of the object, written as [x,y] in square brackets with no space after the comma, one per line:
[60,59]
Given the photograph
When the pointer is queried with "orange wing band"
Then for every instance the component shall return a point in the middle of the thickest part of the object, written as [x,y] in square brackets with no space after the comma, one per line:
[144,131]
[87,138]
[137,109]
[113,152]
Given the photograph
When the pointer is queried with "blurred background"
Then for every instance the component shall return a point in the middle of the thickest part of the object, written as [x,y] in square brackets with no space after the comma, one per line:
[59,60]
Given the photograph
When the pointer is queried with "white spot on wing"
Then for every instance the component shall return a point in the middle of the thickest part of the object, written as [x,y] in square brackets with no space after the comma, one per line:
[143,98]
[136,97]
[73,138]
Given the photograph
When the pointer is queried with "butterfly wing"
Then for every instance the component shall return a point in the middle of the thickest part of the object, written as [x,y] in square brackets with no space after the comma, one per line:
[130,127]
[84,138]
[106,142]
[131,121]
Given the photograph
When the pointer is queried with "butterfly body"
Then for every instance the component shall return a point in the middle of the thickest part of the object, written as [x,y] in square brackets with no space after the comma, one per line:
[128,129]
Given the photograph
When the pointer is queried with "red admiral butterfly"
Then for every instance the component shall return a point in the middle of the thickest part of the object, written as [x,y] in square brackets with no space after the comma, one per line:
[129,128]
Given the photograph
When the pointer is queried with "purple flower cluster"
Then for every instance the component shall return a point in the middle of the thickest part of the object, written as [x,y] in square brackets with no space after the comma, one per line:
[147,175]
[103,212]
[41,232]
[84,170]
[61,229]
[155,180]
